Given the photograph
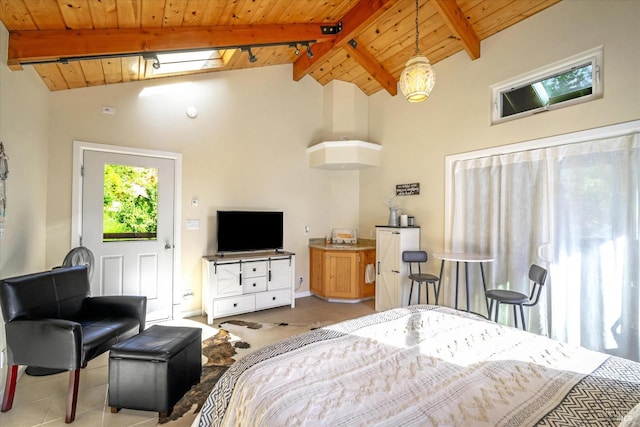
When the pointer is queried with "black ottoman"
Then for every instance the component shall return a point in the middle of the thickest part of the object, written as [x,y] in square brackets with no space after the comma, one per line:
[154,369]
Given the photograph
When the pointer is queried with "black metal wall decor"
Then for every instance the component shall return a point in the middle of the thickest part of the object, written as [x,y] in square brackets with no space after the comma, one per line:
[408,189]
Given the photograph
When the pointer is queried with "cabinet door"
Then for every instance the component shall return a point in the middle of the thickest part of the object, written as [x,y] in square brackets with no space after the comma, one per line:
[341,275]
[388,270]
[316,271]
[227,280]
[387,250]
[366,258]
[280,274]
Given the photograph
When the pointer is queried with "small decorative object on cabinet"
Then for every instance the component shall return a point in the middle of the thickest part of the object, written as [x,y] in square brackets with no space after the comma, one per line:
[234,284]
[392,281]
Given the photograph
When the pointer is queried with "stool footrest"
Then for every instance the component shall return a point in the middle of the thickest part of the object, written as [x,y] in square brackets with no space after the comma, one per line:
[154,369]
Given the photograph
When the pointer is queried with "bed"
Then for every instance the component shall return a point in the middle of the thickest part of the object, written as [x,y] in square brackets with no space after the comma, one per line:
[424,365]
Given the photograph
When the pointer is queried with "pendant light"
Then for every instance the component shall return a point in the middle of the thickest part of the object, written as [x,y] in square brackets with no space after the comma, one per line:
[418,78]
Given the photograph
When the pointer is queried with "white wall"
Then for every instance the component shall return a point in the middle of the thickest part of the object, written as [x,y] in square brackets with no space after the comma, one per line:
[246,149]
[23,130]
[415,138]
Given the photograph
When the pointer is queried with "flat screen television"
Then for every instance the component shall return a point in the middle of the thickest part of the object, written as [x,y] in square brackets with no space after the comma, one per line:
[245,231]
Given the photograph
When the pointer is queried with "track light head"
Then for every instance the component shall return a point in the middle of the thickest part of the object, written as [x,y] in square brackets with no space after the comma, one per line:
[295,46]
[308,46]
[252,57]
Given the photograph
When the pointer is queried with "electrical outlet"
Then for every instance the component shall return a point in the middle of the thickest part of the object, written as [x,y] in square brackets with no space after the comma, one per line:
[3,358]
[300,279]
[306,230]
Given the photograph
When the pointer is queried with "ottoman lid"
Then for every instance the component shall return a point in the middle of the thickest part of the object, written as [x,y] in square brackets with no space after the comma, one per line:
[156,343]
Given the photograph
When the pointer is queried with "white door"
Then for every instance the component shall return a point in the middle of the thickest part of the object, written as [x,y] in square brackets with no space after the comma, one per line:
[129,230]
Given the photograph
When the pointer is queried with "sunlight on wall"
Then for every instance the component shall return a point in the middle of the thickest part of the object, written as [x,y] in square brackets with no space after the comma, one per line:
[175,89]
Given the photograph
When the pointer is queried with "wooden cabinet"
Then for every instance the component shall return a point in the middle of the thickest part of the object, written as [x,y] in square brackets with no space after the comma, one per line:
[240,284]
[367,290]
[340,274]
[392,282]
[316,271]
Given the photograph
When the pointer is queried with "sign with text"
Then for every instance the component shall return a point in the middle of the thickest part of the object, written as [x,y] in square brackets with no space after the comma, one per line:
[408,189]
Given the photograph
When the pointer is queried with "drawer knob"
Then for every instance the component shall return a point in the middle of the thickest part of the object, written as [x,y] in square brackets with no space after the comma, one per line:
[235,304]
[274,298]
[254,285]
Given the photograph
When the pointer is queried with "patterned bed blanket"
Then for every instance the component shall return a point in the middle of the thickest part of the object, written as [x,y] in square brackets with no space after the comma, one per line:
[424,365]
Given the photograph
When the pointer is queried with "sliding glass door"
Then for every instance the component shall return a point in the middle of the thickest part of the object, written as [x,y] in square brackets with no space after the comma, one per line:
[572,208]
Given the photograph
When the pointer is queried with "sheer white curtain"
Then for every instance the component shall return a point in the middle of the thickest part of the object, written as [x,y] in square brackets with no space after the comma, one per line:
[571,208]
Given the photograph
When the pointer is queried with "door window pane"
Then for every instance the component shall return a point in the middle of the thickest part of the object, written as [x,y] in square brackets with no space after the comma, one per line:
[130,203]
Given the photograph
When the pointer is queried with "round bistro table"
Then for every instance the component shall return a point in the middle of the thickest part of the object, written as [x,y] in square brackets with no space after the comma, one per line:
[466,258]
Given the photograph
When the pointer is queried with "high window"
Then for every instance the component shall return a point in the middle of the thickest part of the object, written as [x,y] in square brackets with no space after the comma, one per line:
[574,80]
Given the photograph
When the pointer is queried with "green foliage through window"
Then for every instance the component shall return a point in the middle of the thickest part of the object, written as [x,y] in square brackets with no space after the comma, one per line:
[130,203]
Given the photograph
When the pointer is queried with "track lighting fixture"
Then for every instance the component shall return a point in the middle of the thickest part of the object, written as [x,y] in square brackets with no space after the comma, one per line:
[150,56]
[252,57]
[295,46]
[308,46]
[156,64]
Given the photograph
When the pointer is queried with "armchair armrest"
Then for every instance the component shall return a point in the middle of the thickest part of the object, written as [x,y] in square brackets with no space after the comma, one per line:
[47,343]
[118,306]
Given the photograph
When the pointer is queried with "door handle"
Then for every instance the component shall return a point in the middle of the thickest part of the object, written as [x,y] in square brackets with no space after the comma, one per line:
[167,246]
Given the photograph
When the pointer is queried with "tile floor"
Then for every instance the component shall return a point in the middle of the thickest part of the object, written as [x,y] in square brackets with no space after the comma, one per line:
[41,401]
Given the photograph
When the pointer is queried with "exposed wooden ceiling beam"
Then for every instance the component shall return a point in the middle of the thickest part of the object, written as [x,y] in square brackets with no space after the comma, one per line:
[43,45]
[353,23]
[458,24]
[372,66]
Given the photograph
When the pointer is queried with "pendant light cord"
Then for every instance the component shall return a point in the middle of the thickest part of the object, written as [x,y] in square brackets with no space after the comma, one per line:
[417,34]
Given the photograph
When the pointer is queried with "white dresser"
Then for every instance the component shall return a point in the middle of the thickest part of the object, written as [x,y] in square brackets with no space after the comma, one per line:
[234,284]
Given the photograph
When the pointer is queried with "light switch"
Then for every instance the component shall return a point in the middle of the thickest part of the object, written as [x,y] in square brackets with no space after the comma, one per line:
[193,224]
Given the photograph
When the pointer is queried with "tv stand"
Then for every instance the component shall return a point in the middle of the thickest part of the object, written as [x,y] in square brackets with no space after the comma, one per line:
[240,254]
[235,283]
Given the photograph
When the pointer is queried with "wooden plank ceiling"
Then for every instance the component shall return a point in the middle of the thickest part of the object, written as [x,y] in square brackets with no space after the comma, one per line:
[80,43]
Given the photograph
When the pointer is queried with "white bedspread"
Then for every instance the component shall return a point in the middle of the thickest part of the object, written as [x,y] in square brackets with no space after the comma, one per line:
[421,365]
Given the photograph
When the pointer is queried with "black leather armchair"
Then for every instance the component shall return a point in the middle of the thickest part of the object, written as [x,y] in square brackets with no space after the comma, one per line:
[51,321]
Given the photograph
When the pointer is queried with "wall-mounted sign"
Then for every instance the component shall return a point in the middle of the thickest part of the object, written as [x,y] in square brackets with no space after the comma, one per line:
[408,189]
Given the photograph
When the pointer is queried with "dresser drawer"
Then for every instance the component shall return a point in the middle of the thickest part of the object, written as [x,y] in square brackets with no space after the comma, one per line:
[254,269]
[273,298]
[228,306]
[254,284]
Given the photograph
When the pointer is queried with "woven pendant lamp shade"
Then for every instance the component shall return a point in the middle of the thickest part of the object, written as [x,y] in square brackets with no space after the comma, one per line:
[417,79]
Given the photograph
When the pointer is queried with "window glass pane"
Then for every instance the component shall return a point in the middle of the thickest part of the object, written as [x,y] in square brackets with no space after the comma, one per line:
[130,203]
[568,85]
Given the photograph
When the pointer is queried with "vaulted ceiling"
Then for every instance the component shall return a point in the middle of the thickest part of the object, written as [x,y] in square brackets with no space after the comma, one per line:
[80,43]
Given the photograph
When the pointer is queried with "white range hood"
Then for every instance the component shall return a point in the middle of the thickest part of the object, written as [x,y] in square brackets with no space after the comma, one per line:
[344,155]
